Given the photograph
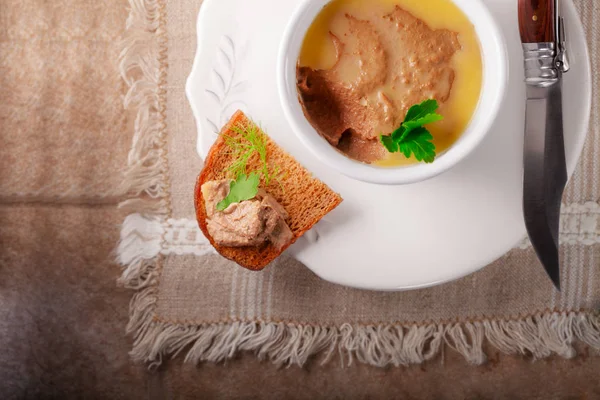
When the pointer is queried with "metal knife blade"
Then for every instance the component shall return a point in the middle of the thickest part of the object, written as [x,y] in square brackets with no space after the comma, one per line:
[545,172]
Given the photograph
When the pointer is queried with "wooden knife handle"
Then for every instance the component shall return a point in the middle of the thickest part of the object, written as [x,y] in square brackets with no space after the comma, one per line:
[536,21]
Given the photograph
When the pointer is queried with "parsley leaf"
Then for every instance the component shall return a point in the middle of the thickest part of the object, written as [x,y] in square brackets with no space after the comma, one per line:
[244,188]
[428,119]
[412,137]
[389,143]
[418,142]
[421,110]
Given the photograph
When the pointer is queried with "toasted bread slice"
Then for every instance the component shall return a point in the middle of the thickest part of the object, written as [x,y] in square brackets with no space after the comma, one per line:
[305,198]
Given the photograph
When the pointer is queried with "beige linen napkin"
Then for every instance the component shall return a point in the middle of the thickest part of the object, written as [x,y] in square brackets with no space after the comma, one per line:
[189,299]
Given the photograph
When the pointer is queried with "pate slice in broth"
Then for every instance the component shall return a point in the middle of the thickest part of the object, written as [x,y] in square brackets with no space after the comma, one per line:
[364,63]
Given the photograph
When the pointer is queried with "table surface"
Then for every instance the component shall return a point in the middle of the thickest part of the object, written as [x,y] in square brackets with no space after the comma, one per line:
[62,318]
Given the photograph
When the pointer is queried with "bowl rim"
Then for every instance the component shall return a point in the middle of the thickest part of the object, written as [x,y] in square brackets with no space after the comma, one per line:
[495,81]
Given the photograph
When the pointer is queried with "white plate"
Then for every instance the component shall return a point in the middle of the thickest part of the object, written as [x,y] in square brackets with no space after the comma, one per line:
[386,237]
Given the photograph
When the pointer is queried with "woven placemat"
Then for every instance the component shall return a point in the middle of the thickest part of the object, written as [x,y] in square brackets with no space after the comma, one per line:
[189,299]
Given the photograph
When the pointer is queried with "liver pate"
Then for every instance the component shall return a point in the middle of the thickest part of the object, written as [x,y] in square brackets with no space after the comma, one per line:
[248,223]
[384,65]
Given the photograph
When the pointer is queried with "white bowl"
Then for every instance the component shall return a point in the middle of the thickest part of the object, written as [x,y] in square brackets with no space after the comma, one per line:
[495,77]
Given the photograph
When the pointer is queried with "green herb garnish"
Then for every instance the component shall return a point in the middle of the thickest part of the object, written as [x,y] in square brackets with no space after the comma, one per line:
[243,188]
[412,138]
[248,142]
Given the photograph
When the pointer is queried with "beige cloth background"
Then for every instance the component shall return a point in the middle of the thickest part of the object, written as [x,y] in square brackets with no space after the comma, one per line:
[61,316]
[285,313]
[50,115]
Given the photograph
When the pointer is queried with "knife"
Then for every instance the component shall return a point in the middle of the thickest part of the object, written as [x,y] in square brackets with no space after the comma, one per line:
[545,172]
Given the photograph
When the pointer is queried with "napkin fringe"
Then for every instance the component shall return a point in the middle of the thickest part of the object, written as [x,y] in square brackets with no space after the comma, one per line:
[142,66]
[286,344]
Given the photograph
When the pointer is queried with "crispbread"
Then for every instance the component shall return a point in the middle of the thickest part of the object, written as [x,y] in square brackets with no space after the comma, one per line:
[305,198]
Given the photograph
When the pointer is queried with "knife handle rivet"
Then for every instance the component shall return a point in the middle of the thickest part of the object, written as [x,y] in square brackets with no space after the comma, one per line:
[535,18]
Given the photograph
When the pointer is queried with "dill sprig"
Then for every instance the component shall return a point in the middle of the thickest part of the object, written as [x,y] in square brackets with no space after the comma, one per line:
[247,142]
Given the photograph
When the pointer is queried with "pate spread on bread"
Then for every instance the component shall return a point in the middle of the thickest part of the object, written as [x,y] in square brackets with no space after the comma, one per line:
[247,223]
